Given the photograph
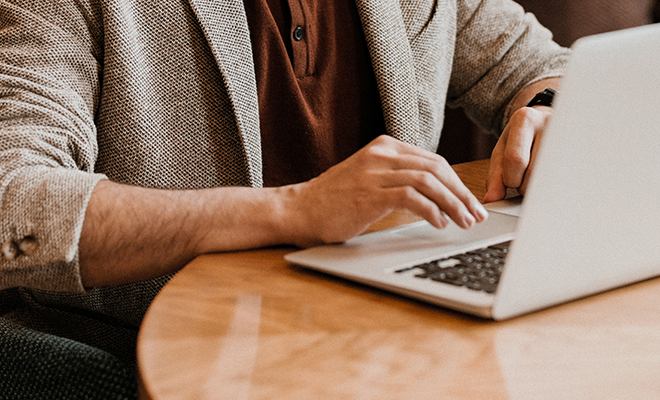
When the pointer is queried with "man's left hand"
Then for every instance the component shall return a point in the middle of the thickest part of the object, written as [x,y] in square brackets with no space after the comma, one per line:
[512,160]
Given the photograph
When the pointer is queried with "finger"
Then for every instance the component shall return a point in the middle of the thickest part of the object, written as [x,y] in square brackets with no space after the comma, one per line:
[399,149]
[392,154]
[409,198]
[426,184]
[516,153]
[443,173]
[538,137]
[495,188]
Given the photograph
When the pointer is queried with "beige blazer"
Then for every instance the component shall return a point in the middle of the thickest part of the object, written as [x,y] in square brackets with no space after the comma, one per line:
[162,94]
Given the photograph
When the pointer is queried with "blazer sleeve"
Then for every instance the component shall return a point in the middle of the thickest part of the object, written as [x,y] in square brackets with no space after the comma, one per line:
[49,88]
[499,50]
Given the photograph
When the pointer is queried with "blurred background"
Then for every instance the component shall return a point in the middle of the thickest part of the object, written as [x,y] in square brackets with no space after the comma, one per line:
[568,20]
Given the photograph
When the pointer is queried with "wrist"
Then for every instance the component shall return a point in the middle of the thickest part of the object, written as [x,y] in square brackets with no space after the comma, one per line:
[240,218]
[291,219]
[524,97]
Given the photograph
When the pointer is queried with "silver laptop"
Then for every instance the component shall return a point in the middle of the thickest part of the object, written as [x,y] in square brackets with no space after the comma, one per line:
[590,220]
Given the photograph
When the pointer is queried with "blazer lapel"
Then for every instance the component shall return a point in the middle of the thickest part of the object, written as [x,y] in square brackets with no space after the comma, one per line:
[392,61]
[225,25]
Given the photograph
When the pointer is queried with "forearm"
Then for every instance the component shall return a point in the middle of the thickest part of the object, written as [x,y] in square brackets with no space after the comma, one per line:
[133,233]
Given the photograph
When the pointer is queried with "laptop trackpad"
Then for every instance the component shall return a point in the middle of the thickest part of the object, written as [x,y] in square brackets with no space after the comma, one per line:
[405,245]
[510,206]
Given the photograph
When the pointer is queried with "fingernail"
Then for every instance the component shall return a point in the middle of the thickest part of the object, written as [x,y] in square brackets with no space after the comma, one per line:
[468,219]
[482,214]
[443,221]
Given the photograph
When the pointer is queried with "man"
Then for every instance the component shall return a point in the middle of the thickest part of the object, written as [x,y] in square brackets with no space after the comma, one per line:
[190,107]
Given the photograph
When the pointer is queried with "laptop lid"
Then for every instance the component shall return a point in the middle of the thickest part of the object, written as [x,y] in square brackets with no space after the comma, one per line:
[591,217]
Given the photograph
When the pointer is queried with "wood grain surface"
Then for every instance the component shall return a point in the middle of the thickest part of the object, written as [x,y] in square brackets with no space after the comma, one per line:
[248,325]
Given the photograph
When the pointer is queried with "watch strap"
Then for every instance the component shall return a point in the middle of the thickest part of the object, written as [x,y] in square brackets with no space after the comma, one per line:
[543,98]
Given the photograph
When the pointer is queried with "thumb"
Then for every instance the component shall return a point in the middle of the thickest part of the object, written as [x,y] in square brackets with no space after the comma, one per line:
[495,188]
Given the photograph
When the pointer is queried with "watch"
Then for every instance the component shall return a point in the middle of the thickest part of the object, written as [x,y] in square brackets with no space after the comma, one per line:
[543,98]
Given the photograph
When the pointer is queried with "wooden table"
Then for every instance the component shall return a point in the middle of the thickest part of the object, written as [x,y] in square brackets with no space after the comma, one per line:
[247,325]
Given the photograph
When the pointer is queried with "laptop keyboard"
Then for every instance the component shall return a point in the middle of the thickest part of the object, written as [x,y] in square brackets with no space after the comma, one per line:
[477,270]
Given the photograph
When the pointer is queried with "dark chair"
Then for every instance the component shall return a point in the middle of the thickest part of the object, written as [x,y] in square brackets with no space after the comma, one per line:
[36,365]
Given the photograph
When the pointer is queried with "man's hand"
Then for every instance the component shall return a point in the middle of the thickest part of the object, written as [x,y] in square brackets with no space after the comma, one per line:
[384,175]
[512,160]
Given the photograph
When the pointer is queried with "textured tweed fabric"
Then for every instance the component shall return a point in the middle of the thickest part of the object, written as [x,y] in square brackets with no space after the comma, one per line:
[162,94]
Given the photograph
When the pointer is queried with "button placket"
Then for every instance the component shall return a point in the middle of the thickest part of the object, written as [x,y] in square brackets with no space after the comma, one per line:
[299,35]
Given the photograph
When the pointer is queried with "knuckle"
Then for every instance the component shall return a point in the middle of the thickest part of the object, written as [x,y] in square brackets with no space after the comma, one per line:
[453,206]
[514,160]
[381,147]
[384,140]
[442,163]
[523,114]
[523,119]
[409,192]
[439,167]
[531,117]
[405,194]
[425,179]
[373,153]
[369,151]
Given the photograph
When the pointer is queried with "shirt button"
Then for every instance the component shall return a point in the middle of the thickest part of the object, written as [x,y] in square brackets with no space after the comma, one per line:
[298,34]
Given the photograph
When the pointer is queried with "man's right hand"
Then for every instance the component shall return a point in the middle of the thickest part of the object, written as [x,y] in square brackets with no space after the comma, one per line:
[384,175]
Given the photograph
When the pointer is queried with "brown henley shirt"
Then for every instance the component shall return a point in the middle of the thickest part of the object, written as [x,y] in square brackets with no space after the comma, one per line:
[318,99]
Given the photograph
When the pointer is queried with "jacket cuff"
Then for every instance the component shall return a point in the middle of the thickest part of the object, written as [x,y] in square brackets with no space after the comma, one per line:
[42,212]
